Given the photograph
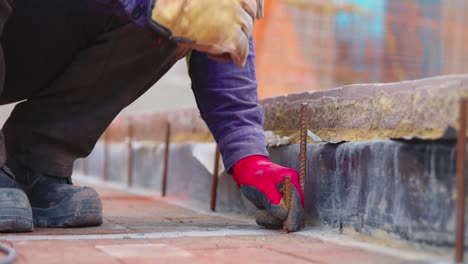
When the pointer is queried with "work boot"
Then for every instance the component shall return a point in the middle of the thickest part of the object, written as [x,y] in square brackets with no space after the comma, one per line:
[15,210]
[56,202]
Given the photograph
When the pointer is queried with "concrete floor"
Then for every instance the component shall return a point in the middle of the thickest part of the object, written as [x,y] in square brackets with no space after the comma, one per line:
[148,229]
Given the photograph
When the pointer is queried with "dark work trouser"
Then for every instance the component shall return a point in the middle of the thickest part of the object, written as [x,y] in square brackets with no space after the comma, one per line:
[76,67]
[5,11]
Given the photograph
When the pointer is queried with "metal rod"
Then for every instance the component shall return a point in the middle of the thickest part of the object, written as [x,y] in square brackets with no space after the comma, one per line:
[130,153]
[166,159]
[303,145]
[303,151]
[214,183]
[287,189]
[105,172]
[461,168]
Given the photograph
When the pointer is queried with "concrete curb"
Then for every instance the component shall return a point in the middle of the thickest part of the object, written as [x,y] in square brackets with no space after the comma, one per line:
[404,188]
[188,178]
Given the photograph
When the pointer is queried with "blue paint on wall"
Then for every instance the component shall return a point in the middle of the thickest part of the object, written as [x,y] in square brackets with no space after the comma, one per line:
[433,44]
[373,21]
[358,31]
[362,38]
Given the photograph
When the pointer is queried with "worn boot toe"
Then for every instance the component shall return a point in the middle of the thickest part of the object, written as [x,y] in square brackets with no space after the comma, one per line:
[56,202]
[15,210]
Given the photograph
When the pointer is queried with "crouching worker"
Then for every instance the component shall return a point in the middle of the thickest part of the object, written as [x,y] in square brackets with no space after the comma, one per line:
[74,65]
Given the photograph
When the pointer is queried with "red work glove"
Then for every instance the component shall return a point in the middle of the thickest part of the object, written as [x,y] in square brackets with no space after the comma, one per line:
[262,182]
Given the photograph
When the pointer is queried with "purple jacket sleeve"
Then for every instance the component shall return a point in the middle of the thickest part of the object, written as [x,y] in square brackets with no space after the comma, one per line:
[227,98]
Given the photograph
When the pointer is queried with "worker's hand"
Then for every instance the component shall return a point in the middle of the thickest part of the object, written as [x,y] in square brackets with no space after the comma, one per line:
[221,28]
[264,184]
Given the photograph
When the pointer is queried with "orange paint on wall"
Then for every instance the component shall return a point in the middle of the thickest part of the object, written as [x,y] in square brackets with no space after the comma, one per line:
[281,65]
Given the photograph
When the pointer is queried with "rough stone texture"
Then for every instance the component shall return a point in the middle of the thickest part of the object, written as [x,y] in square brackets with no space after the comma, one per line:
[426,109]
[404,188]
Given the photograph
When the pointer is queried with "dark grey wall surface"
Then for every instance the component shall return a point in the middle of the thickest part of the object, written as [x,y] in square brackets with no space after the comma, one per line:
[405,188]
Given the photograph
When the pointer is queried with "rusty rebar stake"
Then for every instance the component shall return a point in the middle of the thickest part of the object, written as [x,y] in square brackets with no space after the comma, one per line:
[303,152]
[287,190]
[105,173]
[461,169]
[166,160]
[130,154]
[214,182]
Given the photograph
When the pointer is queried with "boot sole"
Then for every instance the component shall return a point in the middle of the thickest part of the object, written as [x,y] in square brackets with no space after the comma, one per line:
[83,208]
[15,211]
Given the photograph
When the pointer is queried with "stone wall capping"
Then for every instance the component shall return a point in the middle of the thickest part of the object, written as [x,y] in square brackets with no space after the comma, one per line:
[186,125]
[423,109]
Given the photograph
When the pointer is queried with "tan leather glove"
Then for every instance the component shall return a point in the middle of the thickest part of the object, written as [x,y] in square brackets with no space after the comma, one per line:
[221,28]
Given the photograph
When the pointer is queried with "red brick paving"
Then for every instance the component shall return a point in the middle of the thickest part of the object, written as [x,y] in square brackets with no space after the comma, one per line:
[244,249]
[127,214]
